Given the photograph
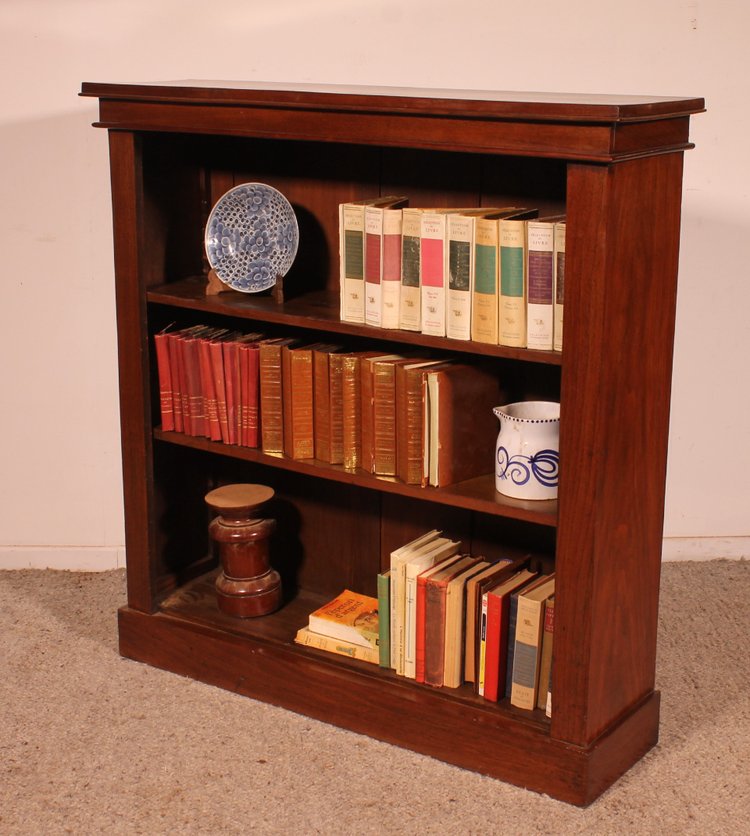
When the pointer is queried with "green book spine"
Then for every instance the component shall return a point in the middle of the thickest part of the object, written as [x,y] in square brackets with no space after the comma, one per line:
[384,619]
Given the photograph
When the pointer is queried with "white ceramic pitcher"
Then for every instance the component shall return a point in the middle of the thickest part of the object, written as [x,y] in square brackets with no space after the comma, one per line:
[527,451]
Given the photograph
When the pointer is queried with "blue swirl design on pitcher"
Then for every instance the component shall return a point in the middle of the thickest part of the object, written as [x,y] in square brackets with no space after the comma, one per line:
[544,466]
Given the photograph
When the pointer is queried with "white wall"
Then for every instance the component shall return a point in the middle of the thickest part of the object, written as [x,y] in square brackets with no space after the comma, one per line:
[61,495]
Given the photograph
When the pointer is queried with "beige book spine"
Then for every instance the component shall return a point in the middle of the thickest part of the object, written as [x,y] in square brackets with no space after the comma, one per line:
[512,295]
[526,655]
[484,309]
[351,258]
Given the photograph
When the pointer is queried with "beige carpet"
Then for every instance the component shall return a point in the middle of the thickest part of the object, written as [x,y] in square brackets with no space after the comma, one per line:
[92,743]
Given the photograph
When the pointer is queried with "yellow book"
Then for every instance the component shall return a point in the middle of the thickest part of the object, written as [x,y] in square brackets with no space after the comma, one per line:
[354,651]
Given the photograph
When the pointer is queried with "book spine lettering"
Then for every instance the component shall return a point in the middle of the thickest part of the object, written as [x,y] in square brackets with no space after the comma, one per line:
[512,315]
[272,427]
[352,248]
[351,412]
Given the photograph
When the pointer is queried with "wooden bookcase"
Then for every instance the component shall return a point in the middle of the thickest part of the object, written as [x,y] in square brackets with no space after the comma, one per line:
[614,165]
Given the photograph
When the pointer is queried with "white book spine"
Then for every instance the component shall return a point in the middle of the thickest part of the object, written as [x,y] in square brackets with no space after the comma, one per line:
[512,291]
[410,318]
[433,273]
[391,273]
[540,279]
[559,284]
[373,265]
[460,247]
[351,247]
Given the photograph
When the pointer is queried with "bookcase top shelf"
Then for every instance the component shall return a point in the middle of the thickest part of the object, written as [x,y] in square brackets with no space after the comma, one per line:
[568,126]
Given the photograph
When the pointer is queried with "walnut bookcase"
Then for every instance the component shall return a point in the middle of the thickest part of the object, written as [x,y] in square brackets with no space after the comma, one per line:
[614,165]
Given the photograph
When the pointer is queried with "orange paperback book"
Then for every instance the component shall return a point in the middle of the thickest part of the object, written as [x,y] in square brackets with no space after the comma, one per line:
[350,616]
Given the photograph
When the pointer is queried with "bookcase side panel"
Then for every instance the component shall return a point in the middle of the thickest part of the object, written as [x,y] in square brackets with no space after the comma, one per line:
[126,173]
[623,223]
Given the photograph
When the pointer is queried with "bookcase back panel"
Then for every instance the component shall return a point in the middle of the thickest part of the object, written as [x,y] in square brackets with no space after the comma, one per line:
[327,535]
[184,176]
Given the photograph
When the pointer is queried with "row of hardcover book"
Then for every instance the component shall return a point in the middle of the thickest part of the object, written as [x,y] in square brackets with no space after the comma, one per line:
[387,414]
[492,275]
[445,619]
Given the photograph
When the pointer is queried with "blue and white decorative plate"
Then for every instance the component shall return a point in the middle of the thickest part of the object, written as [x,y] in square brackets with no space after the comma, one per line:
[251,237]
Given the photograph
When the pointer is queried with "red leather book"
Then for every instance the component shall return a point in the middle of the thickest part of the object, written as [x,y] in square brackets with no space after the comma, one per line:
[249,357]
[216,351]
[193,406]
[496,603]
[174,365]
[212,427]
[231,386]
[166,407]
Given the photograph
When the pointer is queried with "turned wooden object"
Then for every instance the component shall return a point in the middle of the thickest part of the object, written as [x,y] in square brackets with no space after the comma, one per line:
[247,586]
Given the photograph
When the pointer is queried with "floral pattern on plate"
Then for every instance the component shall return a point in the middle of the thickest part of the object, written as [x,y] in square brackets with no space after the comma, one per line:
[251,237]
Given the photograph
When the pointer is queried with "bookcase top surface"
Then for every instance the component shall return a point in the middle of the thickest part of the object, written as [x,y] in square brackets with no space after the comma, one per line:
[481,103]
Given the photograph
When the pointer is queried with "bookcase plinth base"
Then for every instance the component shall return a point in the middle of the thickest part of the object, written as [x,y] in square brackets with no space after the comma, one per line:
[503,744]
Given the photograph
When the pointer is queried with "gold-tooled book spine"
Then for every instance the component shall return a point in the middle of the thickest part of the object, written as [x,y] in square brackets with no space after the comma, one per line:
[298,403]
[322,405]
[366,383]
[336,408]
[351,412]
[414,426]
[384,419]
[272,426]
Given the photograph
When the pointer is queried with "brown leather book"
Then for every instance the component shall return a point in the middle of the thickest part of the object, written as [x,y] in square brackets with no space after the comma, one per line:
[384,415]
[410,420]
[271,394]
[323,429]
[367,392]
[336,406]
[435,611]
[351,411]
[462,427]
[298,401]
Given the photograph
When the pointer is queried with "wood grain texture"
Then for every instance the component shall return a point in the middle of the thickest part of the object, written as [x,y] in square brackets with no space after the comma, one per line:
[456,727]
[624,232]
[614,164]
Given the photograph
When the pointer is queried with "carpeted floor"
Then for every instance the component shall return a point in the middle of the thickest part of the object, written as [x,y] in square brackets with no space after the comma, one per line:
[92,743]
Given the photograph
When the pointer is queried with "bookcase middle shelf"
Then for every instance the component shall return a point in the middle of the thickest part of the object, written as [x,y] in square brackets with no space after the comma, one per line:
[477,494]
[318,310]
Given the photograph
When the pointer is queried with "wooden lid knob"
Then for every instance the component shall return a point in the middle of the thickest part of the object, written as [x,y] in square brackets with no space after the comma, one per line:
[238,500]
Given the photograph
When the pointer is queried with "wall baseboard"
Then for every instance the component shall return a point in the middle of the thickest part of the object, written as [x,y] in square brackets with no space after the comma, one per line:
[705,548]
[71,558]
[104,558]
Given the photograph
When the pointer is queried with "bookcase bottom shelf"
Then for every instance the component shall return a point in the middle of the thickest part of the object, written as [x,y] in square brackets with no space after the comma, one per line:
[258,659]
